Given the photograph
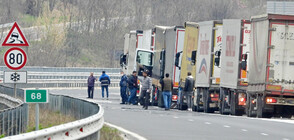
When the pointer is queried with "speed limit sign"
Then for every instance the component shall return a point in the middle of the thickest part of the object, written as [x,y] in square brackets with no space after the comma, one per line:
[15,58]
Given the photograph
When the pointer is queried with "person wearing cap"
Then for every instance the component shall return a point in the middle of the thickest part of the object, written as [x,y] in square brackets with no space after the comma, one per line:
[133,86]
[167,87]
[105,81]
[123,88]
[146,89]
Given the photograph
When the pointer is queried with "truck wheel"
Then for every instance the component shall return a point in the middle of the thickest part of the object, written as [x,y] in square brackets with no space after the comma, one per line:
[222,103]
[234,104]
[206,101]
[181,105]
[160,100]
[194,108]
[260,110]
[249,107]
[198,106]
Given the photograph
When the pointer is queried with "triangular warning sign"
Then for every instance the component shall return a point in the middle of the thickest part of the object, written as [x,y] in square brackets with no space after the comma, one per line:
[15,37]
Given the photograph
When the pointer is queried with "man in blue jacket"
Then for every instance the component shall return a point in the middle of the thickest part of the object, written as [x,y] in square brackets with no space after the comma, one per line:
[105,81]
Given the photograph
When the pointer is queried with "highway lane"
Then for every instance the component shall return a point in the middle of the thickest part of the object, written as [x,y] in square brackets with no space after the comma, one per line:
[158,124]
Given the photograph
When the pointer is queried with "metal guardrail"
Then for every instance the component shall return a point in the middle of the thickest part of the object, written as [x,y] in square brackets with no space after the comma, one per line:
[87,127]
[13,120]
[64,69]
[63,77]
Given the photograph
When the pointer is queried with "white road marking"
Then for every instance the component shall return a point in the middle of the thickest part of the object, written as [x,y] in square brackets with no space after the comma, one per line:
[176,117]
[264,134]
[191,120]
[244,130]
[126,131]
[207,123]
[291,121]
[227,126]
[286,139]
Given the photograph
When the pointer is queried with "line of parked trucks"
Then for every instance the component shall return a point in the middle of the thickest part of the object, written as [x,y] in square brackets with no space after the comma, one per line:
[239,66]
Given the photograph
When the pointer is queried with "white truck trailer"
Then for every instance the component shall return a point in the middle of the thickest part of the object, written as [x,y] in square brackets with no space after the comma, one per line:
[169,40]
[208,66]
[270,77]
[235,50]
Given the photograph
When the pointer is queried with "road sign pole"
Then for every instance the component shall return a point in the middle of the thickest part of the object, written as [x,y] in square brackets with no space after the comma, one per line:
[14,90]
[37,116]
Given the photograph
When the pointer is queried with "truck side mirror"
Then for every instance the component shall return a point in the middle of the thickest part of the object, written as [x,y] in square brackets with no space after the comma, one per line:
[217,58]
[193,57]
[243,65]
[245,56]
[177,61]
[216,61]
[162,56]
[122,60]
[138,59]
[218,53]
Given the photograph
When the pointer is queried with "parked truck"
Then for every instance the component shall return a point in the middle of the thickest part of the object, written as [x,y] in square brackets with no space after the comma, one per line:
[137,56]
[169,40]
[270,77]
[188,61]
[234,56]
[208,66]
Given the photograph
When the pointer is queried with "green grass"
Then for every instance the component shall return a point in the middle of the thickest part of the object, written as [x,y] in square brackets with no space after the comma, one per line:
[108,133]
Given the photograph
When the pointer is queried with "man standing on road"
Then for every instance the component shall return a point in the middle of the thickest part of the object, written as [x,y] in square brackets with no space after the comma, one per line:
[123,88]
[133,86]
[146,89]
[91,83]
[167,86]
[105,81]
[188,89]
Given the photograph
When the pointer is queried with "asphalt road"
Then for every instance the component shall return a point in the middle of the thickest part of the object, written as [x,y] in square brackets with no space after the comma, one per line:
[158,124]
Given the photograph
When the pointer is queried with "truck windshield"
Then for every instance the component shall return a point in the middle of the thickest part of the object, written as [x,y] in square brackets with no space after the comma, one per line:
[144,58]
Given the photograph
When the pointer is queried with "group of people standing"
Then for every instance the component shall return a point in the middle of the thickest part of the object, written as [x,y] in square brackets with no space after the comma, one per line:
[131,83]
[104,81]
[166,83]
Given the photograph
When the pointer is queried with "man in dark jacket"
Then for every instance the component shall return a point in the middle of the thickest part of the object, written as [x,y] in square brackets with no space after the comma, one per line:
[91,83]
[123,88]
[133,86]
[167,86]
[188,89]
[105,81]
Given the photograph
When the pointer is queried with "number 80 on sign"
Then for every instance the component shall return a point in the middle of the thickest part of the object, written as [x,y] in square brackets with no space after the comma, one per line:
[36,96]
[15,58]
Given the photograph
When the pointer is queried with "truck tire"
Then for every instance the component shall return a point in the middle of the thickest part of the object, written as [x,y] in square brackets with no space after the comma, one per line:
[181,105]
[222,104]
[234,104]
[249,107]
[206,97]
[200,95]
[160,99]
[260,109]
